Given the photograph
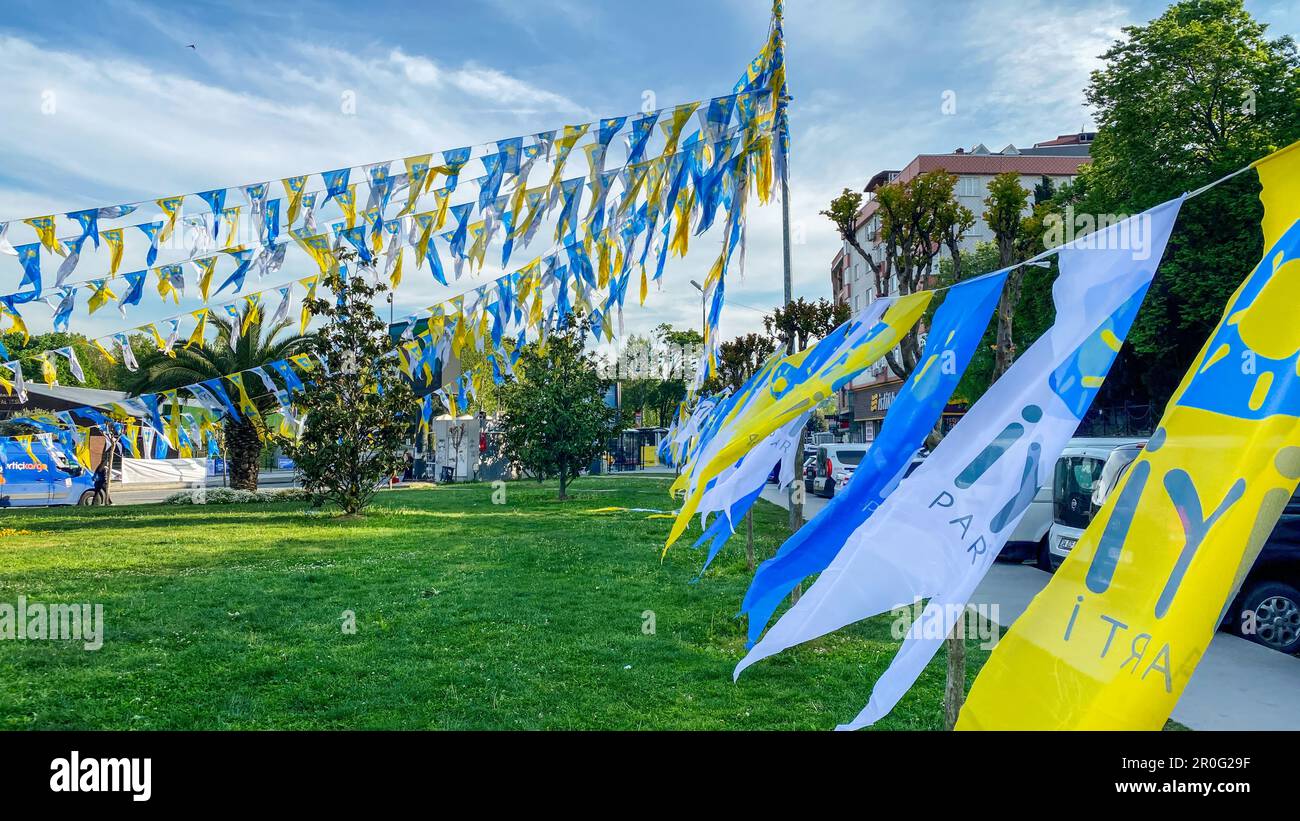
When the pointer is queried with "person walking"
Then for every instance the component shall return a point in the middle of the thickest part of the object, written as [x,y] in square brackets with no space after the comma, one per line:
[101,485]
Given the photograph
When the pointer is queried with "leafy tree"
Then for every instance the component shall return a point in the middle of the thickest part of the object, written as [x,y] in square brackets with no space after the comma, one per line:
[258,344]
[487,397]
[1044,190]
[646,370]
[916,217]
[685,346]
[741,358]
[843,212]
[794,324]
[98,372]
[1006,203]
[360,408]
[979,373]
[1189,97]
[555,418]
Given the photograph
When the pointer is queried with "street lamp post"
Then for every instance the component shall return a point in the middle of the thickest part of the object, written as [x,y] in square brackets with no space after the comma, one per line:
[704,320]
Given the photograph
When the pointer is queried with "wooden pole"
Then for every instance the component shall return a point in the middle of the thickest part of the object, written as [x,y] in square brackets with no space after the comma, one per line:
[749,539]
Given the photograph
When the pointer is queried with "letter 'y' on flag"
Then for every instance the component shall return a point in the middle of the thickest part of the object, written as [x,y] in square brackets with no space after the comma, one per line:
[1117,633]
[937,535]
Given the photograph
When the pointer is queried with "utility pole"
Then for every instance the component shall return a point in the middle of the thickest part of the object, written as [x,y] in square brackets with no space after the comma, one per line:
[796,497]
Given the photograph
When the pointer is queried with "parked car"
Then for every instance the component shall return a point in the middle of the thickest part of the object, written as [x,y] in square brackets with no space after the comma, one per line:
[1030,540]
[1267,610]
[1086,473]
[834,467]
[52,480]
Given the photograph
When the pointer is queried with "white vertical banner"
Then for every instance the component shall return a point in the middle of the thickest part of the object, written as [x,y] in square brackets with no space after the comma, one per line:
[936,536]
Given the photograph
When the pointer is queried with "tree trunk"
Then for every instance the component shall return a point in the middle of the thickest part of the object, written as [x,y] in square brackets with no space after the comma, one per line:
[749,539]
[796,499]
[1005,352]
[955,693]
[564,481]
[243,448]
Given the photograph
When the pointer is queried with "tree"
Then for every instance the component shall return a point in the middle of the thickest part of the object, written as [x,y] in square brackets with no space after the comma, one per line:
[1032,315]
[255,345]
[359,409]
[801,320]
[741,358]
[555,418]
[684,347]
[1006,203]
[843,212]
[918,217]
[98,372]
[792,325]
[1191,96]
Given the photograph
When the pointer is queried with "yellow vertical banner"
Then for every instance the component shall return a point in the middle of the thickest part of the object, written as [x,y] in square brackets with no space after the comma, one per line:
[1113,639]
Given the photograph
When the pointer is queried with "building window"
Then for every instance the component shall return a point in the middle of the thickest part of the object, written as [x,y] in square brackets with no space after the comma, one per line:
[968,187]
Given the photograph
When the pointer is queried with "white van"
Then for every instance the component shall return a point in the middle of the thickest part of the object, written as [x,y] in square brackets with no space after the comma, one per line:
[1029,541]
[1086,474]
[834,467]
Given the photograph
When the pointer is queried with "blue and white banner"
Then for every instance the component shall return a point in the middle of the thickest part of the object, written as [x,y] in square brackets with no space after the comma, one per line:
[734,492]
[937,538]
[958,327]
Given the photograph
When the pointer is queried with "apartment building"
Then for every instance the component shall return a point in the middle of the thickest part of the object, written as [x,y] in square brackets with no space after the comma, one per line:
[864,404]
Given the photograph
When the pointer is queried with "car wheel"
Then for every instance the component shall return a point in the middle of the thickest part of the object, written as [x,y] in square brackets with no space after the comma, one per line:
[1043,561]
[1276,623]
[87,499]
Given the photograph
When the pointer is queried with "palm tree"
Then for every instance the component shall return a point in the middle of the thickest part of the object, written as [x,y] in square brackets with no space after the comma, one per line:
[258,345]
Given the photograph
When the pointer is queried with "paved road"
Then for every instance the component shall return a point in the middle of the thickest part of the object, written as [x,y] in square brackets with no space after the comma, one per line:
[1238,685]
[152,494]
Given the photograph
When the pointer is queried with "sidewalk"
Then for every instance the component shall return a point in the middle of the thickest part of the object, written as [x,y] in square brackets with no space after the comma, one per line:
[142,493]
[1238,685]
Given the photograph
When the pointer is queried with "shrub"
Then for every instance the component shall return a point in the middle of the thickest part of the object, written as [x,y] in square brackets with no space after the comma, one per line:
[231,496]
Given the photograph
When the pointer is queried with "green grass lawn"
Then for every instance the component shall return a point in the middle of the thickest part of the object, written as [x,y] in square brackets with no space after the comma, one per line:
[469,615]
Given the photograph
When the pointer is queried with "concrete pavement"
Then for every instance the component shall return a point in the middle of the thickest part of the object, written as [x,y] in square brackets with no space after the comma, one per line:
[1238,685]
[147,494]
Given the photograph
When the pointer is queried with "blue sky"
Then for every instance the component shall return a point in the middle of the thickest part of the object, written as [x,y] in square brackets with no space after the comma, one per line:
[139,115]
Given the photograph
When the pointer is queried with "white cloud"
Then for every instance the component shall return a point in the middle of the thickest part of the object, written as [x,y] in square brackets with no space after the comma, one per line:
[120,130]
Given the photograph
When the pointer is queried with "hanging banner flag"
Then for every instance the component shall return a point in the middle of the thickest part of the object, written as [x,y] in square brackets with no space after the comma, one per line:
[101,295]
[113,238]
[216,200]
[737,489]
[74,364]
[937,537]
[63,312]
[44,228]
[200,326]
[30,258]
[73,251]
[256,196]
[953,336]
[336,182]
[135,290]
[152,232]
[243,261]
[792,386]
[171,207]
[310,284]
[89,222]
[1119,630]
[281,315]
[293,187]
